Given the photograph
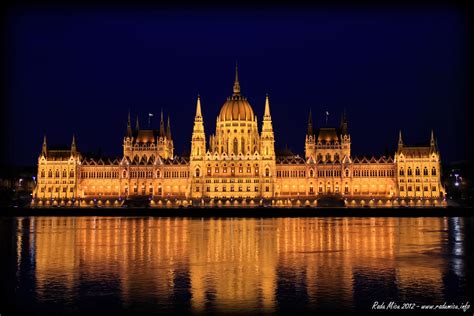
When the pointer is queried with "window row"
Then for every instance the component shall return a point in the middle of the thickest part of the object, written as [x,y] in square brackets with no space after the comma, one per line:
[374,173]
[56,189]
[231,181]
[197,172]
[417,171]
[99,174]
[232,189]
[57,173]
[417,188]
[327,157]
[291,173]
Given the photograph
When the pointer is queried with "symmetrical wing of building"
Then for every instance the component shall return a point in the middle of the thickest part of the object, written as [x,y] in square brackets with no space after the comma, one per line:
[238,165]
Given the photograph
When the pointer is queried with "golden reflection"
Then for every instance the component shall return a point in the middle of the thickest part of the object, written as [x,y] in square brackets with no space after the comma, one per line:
[235,264]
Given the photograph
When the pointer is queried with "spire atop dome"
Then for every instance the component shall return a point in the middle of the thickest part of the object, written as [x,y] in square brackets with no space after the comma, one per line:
[400,140]
[236,83]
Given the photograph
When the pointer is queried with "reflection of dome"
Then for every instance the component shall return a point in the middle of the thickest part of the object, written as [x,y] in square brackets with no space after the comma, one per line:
[236,107]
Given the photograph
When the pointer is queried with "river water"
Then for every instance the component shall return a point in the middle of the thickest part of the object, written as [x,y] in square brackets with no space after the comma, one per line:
[152,265]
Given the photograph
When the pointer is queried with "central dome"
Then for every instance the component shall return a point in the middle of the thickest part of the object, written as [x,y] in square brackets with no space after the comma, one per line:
[236,108]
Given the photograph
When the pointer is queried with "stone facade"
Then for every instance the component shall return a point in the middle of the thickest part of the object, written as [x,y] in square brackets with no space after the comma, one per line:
[238,166]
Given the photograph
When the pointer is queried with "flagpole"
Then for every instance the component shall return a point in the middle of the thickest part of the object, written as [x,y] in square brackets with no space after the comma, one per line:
[149,119]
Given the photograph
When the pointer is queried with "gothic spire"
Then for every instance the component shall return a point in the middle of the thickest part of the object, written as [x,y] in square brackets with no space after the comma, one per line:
[45,147]
[73,144]
[129,125]
[400,140]
[310,123]
[162,125]
[267,108]
[198,108]
[344,122]
[137,125]
[236,83]
[432,140]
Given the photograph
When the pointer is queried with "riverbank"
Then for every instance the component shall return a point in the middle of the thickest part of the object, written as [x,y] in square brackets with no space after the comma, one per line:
[242,212]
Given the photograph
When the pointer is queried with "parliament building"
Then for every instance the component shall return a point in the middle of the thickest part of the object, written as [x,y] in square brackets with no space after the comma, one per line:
[237,166]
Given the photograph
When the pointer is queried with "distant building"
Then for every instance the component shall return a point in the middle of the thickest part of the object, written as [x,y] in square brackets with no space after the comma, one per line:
[238,165]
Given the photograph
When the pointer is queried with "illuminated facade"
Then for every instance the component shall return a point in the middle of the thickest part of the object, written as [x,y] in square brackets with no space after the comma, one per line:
[238,166]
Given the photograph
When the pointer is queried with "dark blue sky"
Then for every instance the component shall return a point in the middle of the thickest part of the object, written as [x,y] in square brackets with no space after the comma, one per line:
[79,70]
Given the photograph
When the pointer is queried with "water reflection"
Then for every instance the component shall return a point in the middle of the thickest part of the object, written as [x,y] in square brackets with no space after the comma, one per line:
[237,265]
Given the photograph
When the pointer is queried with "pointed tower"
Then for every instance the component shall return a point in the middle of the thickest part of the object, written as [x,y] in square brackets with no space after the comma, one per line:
[400,140]
[432,140]
[345,137]
[44,150]
[310,138]
[344,129]
[267,152]
[129,126]
[137,124]
[198,141]
[198,152]
[169,140]
[73,145]
[267,137]
[310,124]
[162,126]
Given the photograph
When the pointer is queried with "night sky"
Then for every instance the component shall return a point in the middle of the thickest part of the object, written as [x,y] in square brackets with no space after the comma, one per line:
[79,69]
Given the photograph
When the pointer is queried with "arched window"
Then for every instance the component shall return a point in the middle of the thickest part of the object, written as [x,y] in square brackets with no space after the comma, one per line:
[71,174]
[425,171]
[328,157]
[336,157]
[311,173]
[402,172]
[42,173]
[158,174]
[347,172]
[64,173]
[267,172]
[57,174]
[320,157]
[417,171]
[198,173]
[433,171]
[409,171]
